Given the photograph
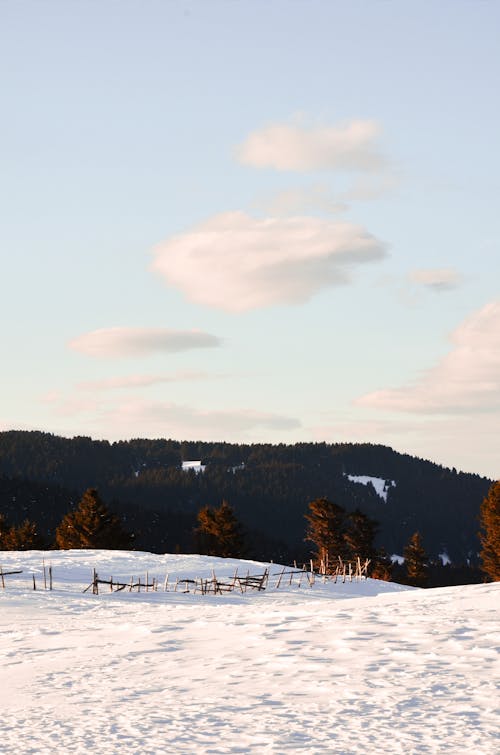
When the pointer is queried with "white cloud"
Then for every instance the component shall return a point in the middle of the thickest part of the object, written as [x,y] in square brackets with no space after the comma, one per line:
[467,379]
[143,381]
[131,342]
[436,279]
[236,262]
[347,147]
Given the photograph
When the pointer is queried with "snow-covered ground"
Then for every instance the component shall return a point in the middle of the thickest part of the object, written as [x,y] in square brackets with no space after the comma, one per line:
[364,667]
[381,486]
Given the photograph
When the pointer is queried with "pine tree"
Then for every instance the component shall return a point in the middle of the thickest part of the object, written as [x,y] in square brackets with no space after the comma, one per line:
[327,524]
[219,533]
[382,566]
[416,561]
[91,525]
[5,530]
[490,533]
[25,537]
[359,536]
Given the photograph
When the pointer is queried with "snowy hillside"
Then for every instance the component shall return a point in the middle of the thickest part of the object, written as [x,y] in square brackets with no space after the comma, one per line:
[381,486]
[365,667]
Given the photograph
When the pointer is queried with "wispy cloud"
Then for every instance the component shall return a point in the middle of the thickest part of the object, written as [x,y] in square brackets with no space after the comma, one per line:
[131,342]
[436,279]
[467,379]
[236,262]
[185,420]
[300,200]
[367,188]
[144,381]
[137,417]
[348,147]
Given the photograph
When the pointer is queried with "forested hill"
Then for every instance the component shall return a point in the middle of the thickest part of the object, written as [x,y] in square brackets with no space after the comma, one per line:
[269,487]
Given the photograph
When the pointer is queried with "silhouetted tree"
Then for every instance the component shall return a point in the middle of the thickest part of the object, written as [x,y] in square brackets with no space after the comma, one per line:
[489,534]
[359,535]
[22,538]
[91,525]
[382,566]
[25,537]
[326,528]
[219,533]
[416,561]
[5,530]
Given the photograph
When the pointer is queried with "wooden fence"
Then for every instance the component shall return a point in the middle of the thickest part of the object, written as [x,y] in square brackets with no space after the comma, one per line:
[242,583]
[47,577]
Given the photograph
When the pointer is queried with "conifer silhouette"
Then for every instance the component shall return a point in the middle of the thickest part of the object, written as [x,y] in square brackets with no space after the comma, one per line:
[327,524]
[91,525]
[416,561]
[219,533]
[489,534]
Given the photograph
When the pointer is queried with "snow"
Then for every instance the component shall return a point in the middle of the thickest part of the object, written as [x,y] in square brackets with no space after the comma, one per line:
[445,559]
[350,668]
[195,466]
[381,486]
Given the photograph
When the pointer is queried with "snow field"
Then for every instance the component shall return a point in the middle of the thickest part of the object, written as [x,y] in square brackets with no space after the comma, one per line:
[364,667]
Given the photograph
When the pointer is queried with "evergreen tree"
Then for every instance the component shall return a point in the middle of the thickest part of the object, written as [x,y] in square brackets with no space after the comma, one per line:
[219,533]
[382,567]
[490,533]
[359,536]
[416,561]
[22,538]
[5,530]
[326,528]
[91,525]
[25,537]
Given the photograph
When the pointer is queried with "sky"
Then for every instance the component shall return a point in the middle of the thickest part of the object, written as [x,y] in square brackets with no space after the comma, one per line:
[253,221]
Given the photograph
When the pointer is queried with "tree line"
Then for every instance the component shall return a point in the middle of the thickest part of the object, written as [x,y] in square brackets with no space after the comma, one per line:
[335,535]
[267,485]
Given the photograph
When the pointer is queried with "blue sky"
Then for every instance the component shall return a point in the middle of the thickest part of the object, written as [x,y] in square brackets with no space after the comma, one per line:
[253,221]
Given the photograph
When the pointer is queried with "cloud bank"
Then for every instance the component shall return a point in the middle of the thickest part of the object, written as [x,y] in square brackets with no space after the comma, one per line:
[467,379]
[349,147]
[133,342]
[236,262]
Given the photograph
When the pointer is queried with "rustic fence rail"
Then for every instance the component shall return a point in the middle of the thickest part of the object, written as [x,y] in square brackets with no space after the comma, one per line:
[288,576]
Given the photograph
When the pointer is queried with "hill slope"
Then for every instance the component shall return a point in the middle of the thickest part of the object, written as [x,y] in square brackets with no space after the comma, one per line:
[269,487]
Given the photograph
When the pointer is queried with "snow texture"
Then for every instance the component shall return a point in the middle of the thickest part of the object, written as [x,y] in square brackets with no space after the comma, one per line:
[381,486]
[355,668]
[195,466]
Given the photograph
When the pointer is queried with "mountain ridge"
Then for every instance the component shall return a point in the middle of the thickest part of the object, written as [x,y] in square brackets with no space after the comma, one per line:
[268,485]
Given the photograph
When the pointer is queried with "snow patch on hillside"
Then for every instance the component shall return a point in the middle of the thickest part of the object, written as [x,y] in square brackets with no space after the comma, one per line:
[381,486]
